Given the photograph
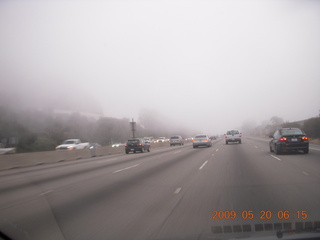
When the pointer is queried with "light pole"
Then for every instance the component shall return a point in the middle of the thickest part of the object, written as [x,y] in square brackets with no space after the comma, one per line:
[133,128]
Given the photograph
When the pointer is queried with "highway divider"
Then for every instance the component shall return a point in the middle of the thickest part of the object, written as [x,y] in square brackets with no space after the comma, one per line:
[18,160]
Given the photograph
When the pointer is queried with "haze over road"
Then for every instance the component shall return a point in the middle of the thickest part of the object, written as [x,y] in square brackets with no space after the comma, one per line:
[169,193]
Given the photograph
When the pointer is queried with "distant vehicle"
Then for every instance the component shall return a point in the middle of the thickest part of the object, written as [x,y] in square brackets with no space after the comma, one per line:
[233,136]
[213,137]
[287,139]
[137,144]
[161,139]
[118,144]
[72,144]
[176,140]
[201,140]
[94,145]
[148,140]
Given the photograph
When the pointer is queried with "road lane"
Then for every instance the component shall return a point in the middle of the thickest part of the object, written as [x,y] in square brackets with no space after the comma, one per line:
[168,194]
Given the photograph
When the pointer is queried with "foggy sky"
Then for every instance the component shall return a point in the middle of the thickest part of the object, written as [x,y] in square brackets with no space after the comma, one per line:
[208,65]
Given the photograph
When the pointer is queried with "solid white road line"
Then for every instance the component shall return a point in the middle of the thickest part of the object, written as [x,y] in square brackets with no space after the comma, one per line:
[217,149]
[203,165]
[126,168]
[305,173]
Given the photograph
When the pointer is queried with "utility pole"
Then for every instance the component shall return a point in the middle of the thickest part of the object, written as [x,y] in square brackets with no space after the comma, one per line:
[133,128]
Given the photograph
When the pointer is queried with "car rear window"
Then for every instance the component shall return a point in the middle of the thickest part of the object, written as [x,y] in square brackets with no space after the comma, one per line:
[232,132]
[291,131]
[133,141]
[201,136]
[174,137]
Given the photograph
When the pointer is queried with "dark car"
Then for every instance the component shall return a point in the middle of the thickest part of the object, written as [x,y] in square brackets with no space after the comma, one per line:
[137,144]
[287,139]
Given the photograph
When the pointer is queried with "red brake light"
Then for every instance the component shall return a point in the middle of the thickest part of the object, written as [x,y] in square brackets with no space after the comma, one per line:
[305,138]
[283,139]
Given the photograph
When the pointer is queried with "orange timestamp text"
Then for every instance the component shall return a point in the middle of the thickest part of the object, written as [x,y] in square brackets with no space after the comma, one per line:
[259,215]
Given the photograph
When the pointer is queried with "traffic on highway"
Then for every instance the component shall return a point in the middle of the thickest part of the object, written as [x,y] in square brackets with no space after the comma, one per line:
[159,119]
[220,192]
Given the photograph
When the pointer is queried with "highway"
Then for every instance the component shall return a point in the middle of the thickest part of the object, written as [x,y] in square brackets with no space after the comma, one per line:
[168,193]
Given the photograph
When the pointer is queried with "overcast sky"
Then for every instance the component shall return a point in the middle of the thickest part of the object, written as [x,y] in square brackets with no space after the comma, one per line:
[210,64]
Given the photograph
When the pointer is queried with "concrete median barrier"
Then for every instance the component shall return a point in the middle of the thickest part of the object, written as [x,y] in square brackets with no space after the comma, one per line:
[17,160]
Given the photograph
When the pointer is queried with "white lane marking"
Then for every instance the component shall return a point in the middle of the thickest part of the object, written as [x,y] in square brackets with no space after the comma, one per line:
[255,146]
[217,149]
[112,159]
[126,168]
[177,152]
[177,190]
[315,149]
[275,157]
[212,154]
[203,165]
[44,193]
[305,173]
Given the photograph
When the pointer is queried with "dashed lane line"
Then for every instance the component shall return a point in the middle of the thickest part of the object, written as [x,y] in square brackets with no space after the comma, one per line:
[123,169]
[275,157]
[203,165]
[177,191]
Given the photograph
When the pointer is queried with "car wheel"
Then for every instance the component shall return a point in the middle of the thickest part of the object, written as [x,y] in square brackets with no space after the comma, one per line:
[226,142]
[277,149]
[240,142]
[127,152]
[306,150]
[270,148]
[194,147]
[148,149]
[142,150]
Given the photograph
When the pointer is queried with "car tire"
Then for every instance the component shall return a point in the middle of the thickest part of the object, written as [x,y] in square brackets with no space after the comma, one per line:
[277,149]
[194,147]
[240,142]
[127,152]
[142,150]
[270,148]
[226,142]
[306,151]
[148,149]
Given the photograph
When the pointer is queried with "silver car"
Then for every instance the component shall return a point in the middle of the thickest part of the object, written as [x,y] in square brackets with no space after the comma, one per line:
[202,140]
[176,140]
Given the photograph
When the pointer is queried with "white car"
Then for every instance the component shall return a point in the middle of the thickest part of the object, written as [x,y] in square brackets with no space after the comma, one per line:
[233,136]
[161,139]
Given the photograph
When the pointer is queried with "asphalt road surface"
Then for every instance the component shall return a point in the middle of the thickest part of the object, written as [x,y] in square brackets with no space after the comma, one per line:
[168,193]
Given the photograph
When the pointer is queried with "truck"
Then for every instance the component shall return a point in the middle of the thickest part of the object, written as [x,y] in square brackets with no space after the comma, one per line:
[72,144]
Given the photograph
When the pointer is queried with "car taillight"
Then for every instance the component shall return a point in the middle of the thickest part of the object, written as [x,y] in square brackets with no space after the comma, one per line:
[140,144]
[194,140]
[283,139]
[305,138]
[126,145]
[206,139]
